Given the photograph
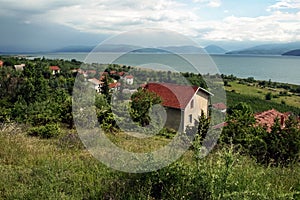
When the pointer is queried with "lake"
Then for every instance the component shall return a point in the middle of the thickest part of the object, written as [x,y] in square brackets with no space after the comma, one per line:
[285,69]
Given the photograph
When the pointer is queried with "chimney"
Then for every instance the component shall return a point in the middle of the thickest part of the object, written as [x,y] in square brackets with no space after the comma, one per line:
[282,120]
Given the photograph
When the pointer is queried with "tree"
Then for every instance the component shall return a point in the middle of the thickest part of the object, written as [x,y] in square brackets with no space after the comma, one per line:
[142,101]
[240,123]
[269,96]
[105,89]
[283,143]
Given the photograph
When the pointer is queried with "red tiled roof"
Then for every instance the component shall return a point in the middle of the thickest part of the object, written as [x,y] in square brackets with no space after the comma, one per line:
[102,78]
[114,85]
[173,95]
[1,63]
[121,73]
[219,106]
[267,118]
[129,77]
[95,81]
[54,68]
[113,72]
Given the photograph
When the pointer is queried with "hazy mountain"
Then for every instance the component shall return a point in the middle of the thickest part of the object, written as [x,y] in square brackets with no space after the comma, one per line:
[214,49]
[295,52]
[150,50]
[269,49]
[75,49]
[101,48]
[183,49]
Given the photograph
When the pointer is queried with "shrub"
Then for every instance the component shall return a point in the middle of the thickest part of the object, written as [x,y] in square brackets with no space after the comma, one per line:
[47,131]
[268,96]
[167,132]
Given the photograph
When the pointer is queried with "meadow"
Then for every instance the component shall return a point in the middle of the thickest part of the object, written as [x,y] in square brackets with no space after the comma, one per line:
[61,168]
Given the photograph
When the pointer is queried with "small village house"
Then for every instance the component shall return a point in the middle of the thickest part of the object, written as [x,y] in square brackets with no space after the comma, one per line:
[183,103]
[129,79]
[19,67]
[220,107]
[54,70]
[1,63]
[114,86]
[97,85]
[267,118]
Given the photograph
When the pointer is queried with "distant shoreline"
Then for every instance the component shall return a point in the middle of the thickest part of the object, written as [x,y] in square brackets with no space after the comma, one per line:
[281,69]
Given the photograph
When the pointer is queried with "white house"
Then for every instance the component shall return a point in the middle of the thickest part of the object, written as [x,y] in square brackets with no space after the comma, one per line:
[19,67]
[183,103]
[54,69]
[96,84]
[129,79]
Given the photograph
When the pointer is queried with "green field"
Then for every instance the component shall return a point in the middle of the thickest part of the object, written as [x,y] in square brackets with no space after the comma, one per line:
[258,92]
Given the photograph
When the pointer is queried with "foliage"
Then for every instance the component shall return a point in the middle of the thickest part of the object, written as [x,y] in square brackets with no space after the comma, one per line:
[283,143]
[258,105]
[269,96]
[47,131]
[281,146]
[142,101]
[40,169]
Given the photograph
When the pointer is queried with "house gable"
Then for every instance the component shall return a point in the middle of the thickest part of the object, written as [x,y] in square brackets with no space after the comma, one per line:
[183,103]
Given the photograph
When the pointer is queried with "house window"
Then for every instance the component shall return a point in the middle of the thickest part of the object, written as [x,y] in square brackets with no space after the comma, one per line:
[191,118]
[192,103]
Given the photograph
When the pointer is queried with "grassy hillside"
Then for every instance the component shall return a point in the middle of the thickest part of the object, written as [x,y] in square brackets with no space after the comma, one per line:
[33,168]
[254,95]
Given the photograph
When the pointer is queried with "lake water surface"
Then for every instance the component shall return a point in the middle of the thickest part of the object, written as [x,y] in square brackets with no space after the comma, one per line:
[283,69]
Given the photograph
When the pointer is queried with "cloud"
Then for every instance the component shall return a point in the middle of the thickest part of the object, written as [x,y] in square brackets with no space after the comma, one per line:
[114,16]
[276,27]
[285,4]
[209,3]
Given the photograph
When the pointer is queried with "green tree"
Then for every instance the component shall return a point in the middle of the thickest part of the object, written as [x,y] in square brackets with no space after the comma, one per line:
[268,96]
[142,101]
[105,90]
[240,123]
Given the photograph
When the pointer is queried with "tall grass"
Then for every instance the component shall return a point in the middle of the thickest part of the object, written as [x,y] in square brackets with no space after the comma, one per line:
[33,168]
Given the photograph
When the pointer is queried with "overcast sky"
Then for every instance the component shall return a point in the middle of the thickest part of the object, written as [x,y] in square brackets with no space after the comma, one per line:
[33,25]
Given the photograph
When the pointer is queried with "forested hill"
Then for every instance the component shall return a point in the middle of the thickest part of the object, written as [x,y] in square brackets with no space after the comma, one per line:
[295,52]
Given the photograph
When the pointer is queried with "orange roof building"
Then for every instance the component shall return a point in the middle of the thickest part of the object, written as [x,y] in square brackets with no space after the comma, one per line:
[267,118]
[54,69]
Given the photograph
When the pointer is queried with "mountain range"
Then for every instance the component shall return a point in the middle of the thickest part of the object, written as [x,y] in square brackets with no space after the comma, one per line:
[211,49]
[295,52]
[269,49]
[285,49]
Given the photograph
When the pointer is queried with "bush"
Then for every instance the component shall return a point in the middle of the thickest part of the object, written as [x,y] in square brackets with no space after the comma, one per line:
[47,131]
[269,96]
[167,132]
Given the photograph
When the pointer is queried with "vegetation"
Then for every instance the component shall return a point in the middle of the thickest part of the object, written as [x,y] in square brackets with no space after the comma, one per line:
[33,168]
[42,157]
[142,101]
